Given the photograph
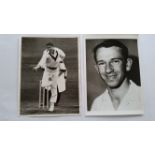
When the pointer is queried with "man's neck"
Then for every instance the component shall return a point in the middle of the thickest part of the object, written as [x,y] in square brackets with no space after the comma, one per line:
[117,94]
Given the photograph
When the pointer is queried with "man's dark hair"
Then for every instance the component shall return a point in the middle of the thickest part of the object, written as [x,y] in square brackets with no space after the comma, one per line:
[111,43]
[49,44]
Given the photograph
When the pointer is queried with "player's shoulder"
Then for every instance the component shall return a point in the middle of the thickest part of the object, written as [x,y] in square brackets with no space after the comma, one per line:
[45,51]
[98,100]
[135,87]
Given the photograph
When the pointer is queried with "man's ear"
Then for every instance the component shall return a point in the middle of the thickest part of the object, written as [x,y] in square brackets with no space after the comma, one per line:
[129,64]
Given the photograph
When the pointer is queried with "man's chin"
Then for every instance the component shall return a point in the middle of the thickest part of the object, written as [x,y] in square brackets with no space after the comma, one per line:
[113,85]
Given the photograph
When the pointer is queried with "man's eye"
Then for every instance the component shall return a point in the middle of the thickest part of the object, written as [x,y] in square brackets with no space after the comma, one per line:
[101,63]
[116,61]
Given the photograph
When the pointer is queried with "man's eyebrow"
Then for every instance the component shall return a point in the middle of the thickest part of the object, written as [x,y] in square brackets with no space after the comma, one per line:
[117,59]
[100,61]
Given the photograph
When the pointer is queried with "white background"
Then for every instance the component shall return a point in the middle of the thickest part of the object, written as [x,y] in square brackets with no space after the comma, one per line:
[9,90]
[81,17]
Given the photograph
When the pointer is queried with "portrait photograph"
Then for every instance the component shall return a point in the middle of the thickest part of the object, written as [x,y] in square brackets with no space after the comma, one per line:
[49,76]
[113,75]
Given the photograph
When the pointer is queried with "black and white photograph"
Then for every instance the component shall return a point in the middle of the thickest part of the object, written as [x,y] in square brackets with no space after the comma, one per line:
[113,75]
[49,75]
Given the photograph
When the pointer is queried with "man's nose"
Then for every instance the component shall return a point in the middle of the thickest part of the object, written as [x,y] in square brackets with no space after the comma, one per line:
[109,68]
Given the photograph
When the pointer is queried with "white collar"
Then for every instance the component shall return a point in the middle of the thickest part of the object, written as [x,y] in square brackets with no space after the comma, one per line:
[129,97]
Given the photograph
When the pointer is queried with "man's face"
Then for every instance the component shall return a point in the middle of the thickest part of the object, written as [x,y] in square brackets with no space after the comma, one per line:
[111,66]
[51,50]
[49,46]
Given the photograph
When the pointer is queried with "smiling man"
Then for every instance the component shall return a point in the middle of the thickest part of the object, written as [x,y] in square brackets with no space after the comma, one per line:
[113,64]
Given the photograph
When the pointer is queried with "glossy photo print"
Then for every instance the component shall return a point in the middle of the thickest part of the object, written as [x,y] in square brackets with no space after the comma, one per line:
[113,75]
[49,76]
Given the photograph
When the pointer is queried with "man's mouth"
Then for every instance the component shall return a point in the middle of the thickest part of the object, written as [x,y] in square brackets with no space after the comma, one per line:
[111,77]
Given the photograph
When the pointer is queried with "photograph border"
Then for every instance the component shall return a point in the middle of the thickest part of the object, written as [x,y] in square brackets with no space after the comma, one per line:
[19,73]
[111,36]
